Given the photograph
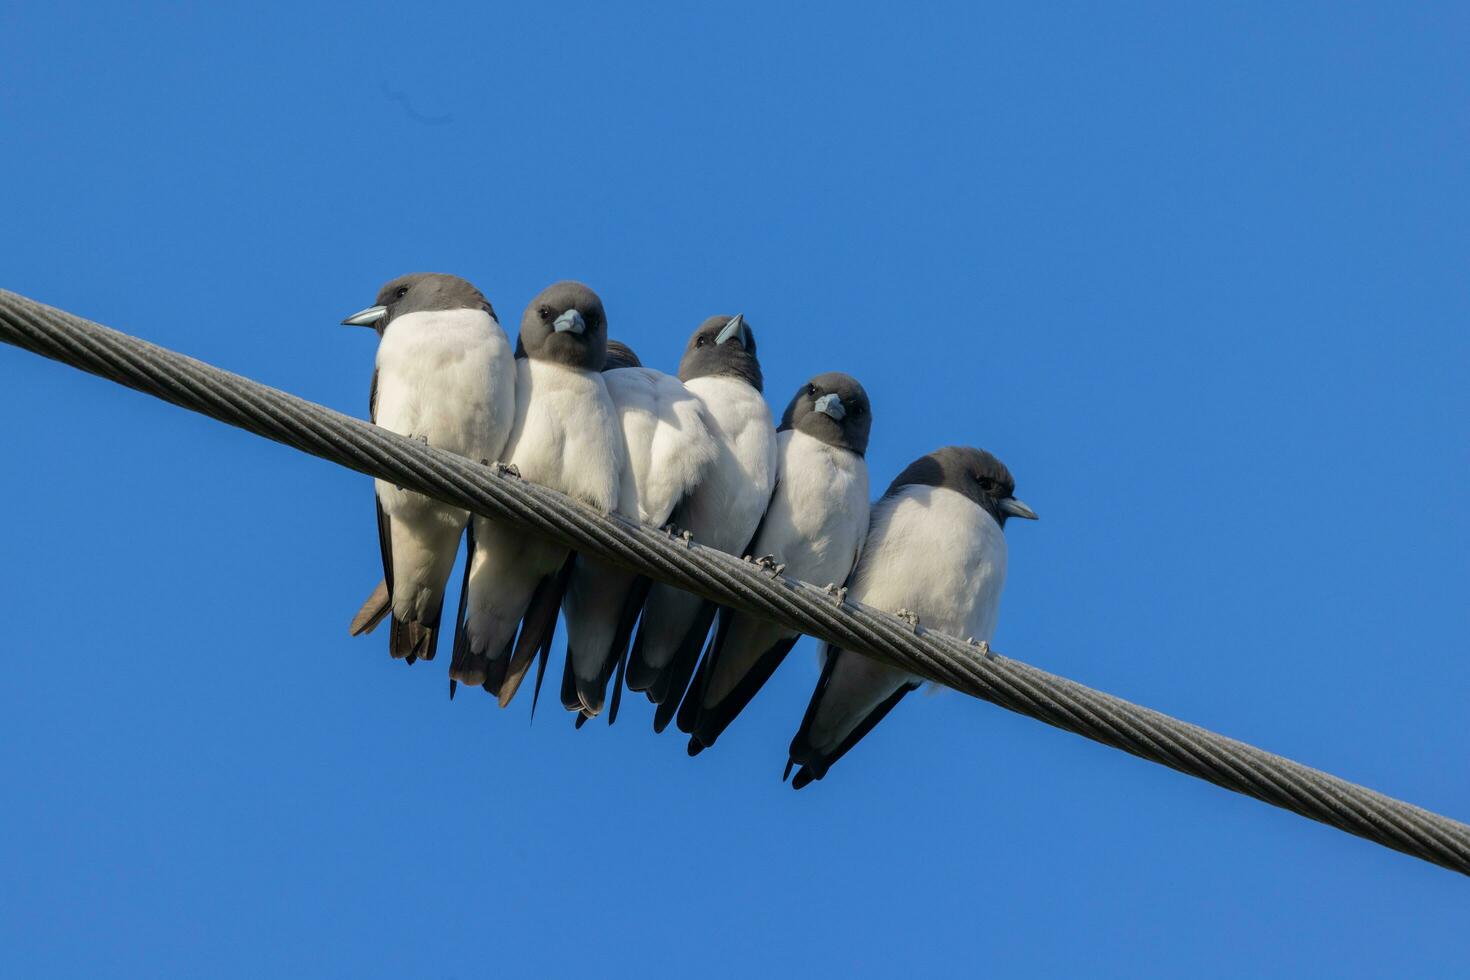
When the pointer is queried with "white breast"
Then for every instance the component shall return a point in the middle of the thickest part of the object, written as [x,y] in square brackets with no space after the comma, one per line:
[566,434]
[936,553]
[818,516]
[733,496]
[447,376]
[669,445]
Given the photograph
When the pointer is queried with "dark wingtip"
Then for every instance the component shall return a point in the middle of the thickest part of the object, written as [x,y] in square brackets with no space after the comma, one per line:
[453,686]
[787,774]
[581,720]
[803,778]
[695,746]
[663,716]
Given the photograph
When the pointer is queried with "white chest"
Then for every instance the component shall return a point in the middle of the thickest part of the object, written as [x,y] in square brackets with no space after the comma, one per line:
[447,377]
[936,553]
[566,435]
[819,514]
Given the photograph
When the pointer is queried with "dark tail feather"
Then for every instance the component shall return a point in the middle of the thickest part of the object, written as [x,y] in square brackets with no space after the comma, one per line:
[675,678]
[537,628]
[412,641]
[373,610]
[464,662]
[712,721]
[617,695]
[801,750]
[569,698]
[541,671]
[690,709]
[581,720]
[593,694]
[814,765]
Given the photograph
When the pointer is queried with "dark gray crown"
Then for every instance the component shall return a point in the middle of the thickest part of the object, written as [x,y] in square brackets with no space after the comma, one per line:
[834,408]
[565,324]
[620,355]
[972,472]
[723,345]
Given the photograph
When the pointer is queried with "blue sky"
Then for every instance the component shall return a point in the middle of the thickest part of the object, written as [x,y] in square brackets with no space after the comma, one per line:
[1197,275]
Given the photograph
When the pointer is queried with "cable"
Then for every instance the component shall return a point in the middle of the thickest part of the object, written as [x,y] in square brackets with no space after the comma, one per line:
[743,585]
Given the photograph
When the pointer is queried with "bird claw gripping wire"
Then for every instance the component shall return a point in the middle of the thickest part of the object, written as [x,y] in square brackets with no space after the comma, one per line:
[840,591]
[910,617]
[768,563]
[508,469]
[982,645]
[673,531]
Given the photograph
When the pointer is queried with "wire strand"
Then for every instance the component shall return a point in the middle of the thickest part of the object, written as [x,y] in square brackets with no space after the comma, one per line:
[488,491]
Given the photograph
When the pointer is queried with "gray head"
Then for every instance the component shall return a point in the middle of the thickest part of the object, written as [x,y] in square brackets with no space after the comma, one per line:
[723,345]
[417,293]
[565,324]
[972,472]
[619,355]
[834,408]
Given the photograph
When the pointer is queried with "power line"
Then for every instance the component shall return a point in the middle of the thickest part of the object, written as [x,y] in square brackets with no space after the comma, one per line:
[489,491]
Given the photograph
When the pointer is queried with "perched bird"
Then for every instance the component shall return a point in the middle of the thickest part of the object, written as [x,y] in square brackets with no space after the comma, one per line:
[936,551]
[619,355]
[813,529]
[669,449]
[719,366]
[445,376]
[565,437]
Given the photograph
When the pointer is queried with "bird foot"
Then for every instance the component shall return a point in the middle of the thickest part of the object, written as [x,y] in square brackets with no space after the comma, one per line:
[768,563]
[686,536]
[982,645]
[838,591]
[508,469]
[910,617]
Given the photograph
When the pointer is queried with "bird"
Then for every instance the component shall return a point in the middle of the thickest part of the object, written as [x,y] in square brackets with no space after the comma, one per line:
[565,437]
[669,448]
[720,366]
[935,555]
[619,355]
[444,375]
[813,530]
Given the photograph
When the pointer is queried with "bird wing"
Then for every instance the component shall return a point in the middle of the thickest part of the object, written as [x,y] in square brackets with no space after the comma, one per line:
[852,696]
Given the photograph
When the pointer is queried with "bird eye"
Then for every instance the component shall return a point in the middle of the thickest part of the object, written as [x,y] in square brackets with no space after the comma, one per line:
[699,342]
[857,409]
[986,483]
[544,312]
[400,292]
[811,390]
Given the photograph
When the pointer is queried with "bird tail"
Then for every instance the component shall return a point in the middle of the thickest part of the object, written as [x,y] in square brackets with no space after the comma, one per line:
[373,611]
[815,762]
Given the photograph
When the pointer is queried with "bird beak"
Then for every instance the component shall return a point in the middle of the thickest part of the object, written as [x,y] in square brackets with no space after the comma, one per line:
[735,330]
[831,406]
[1015,508]
[366,318]
[570,321]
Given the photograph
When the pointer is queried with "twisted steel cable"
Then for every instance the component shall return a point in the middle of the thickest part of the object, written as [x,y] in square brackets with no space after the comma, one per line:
[743,585]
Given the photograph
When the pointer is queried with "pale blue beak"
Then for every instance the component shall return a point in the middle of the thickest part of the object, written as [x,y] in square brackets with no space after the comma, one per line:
[1015,508]
[570,321]
[830,405]
[735,330]
[366,318]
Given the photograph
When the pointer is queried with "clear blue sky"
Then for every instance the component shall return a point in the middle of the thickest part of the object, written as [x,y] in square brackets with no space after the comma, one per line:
[1198,276]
